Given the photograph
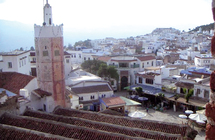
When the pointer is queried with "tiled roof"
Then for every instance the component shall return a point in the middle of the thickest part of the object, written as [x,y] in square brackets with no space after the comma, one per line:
[146,58]
[108,127]
[112,101]
[63,129]
[42,93]
[90,89]
[14,81]
[111,112]
[86,125]
[104,58]
[8,132]
[156,126]
[66,53]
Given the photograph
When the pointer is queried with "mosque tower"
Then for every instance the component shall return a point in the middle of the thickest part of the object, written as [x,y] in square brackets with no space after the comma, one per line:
[49,55]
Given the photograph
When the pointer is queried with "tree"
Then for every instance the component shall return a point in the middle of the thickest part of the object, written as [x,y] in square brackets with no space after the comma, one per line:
[112,73]
[139,90]
[70,46]
[32,48]
[188,95]
[184,90]
[92,66]
[108,72]
[21,49]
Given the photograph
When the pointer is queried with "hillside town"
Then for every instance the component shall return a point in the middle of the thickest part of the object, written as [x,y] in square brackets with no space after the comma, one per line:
[171,68]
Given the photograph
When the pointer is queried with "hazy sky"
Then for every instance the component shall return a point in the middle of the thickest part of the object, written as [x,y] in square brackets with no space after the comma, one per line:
[120,17]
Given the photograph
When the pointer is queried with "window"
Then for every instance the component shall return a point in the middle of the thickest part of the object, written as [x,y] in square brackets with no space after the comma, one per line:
[88,58]
[81,98]
[56,53]
[1,70]
[84,58]
[45,53]
[45,47]
[147,62]
[79,55]
[197,92]
[152,63]
[103,95]
[140,80]
[9,64]
[67,60]
[19,64]
[92,97]
[206,94]
[149,81]
[143,65]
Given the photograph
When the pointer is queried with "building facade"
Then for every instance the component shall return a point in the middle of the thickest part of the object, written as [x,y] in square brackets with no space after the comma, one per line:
[50,57]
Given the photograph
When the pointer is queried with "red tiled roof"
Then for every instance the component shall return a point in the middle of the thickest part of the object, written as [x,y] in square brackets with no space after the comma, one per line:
[165,127]
[61,129]
[14,81]
[112,101]
[104,58]
[146,58]
[11,132]
[112,128]
[91,89]
[42,93]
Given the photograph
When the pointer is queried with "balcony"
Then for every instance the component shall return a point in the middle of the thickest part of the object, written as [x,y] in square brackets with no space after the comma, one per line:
[116,66]
[135,66]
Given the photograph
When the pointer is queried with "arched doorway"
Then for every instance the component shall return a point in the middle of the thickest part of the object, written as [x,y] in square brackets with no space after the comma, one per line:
[124,82]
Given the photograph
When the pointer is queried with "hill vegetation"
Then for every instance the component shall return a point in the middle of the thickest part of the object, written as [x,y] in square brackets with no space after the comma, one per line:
[207,27]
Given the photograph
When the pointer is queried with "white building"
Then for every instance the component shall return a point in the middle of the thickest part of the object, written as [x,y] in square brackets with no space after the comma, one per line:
[15,61]
[202,89]
[204,60]
[128,66]
[89,93]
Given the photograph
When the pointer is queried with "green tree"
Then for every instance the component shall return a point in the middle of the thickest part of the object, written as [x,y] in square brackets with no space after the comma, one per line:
[188,95]
[108,72]
[184,90]
[92,66]
[86,43]
[32,48]
[21,49]
[103,70]
[139,90]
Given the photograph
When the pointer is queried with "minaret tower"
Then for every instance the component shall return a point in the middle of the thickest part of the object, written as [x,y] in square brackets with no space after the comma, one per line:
[49,55]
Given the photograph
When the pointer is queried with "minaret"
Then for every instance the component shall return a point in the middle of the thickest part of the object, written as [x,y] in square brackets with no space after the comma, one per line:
[49,55]
[47,14]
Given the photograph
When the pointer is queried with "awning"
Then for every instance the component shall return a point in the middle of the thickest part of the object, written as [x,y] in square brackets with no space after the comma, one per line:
[198,103]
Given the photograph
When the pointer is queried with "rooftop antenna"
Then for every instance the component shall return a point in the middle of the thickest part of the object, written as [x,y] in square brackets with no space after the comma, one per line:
[46,1]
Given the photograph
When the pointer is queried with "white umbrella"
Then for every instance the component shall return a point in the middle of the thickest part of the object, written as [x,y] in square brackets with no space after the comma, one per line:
[188,111]
[182,116]
[137,114]
[198,117]
[142,98]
